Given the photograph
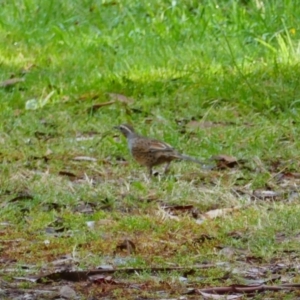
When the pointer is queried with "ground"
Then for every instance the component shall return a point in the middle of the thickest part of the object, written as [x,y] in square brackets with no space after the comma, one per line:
[218,80]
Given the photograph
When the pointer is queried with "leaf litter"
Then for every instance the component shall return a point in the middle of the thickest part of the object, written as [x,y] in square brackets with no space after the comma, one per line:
[247,266]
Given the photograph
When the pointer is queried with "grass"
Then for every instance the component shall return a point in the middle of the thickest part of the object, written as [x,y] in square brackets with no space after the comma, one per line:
[230,67]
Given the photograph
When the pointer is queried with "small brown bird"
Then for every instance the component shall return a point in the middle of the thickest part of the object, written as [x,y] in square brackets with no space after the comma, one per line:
[151,152]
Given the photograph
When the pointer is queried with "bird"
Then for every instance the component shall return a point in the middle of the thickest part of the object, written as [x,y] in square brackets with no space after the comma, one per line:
[150,152]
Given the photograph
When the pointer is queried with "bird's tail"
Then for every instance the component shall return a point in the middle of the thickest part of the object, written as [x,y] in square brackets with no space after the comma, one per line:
[195,160]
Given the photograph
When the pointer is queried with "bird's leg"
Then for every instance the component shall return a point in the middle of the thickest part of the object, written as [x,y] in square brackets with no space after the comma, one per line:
[167,167]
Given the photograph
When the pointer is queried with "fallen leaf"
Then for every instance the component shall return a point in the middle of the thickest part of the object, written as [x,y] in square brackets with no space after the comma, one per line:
[225,161]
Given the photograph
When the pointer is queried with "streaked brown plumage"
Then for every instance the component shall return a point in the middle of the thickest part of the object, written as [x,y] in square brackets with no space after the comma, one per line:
[151,152]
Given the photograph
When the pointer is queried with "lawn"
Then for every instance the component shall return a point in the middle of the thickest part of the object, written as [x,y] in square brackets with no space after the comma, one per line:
[218,80]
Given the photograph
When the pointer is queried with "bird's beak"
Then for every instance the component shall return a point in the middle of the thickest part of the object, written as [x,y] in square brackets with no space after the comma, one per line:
[116,127]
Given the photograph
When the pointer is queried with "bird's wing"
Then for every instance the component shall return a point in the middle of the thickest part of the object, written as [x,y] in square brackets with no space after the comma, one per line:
[155,145]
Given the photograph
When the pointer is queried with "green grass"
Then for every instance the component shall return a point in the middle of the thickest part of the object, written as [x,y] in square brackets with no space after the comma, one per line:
[231,65]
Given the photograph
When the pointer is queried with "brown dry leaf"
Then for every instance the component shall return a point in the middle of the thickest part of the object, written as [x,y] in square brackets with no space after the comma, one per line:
[11,82]
[225,161]
[121,98]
